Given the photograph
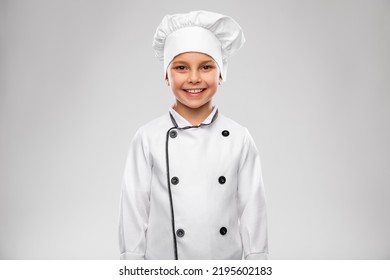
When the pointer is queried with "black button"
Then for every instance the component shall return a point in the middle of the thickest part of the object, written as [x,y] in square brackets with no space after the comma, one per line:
[180,232]
[175,180]
[173,133]
[222,180]
[223,230]
[225,133]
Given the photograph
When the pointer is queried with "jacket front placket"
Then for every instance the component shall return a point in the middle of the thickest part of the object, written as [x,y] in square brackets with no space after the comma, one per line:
[172,134]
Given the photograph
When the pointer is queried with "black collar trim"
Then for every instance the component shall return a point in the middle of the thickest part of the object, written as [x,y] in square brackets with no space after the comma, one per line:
[193,126]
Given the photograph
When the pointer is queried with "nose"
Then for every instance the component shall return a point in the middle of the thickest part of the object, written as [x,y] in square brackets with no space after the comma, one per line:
[194,77]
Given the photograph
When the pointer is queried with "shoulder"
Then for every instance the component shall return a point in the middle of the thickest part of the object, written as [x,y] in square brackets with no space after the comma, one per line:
[238,131]
[232,126]
[154,126]
[150,133]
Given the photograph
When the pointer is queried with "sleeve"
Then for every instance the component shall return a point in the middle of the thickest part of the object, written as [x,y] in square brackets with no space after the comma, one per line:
[135,200]
[251,203]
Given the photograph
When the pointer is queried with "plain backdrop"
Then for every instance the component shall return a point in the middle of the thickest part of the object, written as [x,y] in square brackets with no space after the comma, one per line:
[312,85]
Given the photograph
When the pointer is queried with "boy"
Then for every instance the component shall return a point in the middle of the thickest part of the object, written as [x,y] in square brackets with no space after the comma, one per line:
[192,186]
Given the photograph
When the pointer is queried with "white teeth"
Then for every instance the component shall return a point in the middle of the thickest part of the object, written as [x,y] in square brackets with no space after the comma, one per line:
[194,90]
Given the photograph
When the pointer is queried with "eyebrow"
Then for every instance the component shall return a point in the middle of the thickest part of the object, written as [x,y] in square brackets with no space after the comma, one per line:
[185,62]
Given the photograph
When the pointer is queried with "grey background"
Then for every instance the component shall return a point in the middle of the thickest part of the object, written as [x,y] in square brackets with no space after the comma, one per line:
[77,78]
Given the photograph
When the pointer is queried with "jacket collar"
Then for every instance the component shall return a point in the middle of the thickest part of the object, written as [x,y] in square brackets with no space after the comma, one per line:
[180,122]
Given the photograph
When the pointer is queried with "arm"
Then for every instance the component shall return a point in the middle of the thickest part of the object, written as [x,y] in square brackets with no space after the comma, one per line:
[134,202]
[251,203]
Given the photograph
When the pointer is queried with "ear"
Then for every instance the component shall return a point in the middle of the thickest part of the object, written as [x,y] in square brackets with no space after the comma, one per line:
[220,79]
[167,80]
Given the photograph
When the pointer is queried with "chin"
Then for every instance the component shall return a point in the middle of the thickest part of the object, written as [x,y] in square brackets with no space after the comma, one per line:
[193,105]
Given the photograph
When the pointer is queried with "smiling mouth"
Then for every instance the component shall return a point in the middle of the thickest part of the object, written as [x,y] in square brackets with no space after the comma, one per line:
[194,90]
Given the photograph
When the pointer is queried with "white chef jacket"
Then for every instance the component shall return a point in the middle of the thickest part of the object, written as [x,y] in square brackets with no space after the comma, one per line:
[193,192]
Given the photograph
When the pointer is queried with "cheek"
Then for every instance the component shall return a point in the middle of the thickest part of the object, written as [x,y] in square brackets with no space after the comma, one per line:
[214,77]
[213,80]
[175,80]
[176,84]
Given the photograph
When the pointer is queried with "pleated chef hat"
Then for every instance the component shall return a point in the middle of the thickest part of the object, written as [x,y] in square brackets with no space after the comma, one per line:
[214,34]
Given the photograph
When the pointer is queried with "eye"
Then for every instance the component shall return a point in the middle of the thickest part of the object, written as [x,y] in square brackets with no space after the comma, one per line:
[180,68]
[207,67]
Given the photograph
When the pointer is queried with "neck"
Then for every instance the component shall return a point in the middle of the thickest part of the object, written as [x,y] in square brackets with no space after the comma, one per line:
[194,115]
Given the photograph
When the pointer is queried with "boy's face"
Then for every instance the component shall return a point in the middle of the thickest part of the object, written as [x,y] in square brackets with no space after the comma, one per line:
[194,78]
